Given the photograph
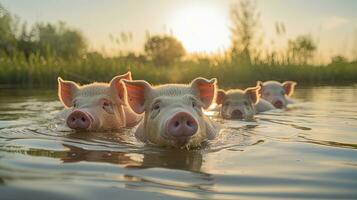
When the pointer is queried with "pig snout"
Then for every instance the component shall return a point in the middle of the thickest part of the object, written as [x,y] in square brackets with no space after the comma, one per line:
[278,104]
[182,124]
[237,114]
[79,120]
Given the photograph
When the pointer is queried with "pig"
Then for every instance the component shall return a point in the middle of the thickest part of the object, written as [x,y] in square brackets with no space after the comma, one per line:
[239,104]
[173,113]
[277,93]
[263,105]
[97,106]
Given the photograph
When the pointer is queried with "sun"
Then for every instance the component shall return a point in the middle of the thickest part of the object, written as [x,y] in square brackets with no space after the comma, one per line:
[201,28]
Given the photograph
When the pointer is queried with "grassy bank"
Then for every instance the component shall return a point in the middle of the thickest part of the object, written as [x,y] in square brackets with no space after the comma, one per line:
[39,72]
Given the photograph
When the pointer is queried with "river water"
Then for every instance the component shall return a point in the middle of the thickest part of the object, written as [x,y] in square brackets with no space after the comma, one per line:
[306,152]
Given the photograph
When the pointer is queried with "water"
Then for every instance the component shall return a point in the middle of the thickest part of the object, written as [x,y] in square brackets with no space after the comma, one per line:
[306,152]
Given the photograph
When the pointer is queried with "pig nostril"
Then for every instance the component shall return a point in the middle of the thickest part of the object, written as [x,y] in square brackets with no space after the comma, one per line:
[188,123]
[73,119]
[176,124]
[83,119]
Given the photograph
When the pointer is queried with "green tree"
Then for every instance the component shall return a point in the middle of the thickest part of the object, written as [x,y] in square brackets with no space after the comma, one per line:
[163,50]
[25,42]
[59,40]
[301,49]
[245,20]
[8,28]
[339,60]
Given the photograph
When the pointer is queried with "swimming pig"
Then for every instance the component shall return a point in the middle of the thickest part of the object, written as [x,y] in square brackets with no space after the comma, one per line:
[239,104]
[97,106]
[277,93]
[173,112]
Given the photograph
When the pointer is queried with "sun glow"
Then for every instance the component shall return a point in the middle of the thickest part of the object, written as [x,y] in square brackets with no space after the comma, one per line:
[201,28]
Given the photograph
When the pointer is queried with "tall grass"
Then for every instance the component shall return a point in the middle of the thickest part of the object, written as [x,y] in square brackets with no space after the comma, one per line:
[35,71]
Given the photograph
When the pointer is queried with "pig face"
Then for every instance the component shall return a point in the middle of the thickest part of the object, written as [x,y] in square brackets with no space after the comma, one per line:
[97,106]
[276,93]
[173,112]
[238,104]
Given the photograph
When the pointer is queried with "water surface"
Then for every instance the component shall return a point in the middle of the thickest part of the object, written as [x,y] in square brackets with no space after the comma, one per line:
[306,152]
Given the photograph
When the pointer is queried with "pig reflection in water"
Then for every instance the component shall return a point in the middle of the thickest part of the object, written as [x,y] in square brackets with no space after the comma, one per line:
[173,112]
[97,106]
[167,158]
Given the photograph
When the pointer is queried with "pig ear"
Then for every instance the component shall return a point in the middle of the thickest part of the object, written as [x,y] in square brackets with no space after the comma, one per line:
[253,93]
[118,87]
[127,76]
[66,91]
[136,91]
[221,94]
[289,87]
[206,90]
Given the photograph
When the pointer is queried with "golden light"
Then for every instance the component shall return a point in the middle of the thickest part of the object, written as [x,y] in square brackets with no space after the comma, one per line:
[201,28]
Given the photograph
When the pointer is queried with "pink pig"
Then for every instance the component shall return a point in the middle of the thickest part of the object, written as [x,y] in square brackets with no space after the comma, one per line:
[238,104]
[173,112]
[277,93]
[241,104]
[97,106]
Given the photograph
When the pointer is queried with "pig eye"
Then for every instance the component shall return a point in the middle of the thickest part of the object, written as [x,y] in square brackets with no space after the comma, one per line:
[194,104]
[156,107]
[155,110]
[108,106]
[282,93]
[246,103]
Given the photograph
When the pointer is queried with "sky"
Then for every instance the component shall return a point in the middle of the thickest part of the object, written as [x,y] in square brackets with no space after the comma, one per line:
[201,25]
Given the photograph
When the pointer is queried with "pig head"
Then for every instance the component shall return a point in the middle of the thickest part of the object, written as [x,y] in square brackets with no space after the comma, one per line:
[173,112]
[277,93]
[97,106]
[238,104]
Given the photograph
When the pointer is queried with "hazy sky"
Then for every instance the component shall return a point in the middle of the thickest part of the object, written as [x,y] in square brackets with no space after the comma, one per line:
[202,25]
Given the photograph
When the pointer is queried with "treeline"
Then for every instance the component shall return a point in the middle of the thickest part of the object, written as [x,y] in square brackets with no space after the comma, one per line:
[37,55]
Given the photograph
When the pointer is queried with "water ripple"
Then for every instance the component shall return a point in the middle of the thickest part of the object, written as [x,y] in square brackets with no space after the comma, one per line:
[305,152]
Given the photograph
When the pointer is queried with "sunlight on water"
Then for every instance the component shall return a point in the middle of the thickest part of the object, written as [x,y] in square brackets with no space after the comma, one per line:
[308,151]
